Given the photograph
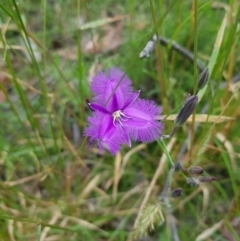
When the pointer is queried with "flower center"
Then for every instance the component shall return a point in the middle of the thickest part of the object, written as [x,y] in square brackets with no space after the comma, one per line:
[118,117]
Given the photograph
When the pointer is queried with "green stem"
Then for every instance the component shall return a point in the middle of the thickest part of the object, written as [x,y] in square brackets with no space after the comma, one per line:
[161,143]
[195,43]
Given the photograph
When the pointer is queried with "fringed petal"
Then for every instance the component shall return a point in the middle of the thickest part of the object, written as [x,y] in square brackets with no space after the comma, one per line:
[132,99]
[100,129]
[141,124]
[103,87]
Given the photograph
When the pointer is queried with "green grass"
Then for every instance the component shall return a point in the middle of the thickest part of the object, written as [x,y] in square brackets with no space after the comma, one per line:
[53,185]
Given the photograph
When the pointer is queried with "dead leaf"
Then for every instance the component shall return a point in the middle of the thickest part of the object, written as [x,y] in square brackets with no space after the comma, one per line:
[113,38]
[208,232]
[93,70]
[229,147]
[234,88]
[110,41]
[94,44]
[91,44]
[200,118]
[101,22]
[68,53]
[227,231]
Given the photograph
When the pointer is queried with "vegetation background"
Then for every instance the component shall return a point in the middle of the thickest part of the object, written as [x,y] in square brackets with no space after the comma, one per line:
[54,186]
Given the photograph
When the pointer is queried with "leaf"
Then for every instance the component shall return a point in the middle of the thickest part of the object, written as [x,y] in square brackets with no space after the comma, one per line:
[214,55]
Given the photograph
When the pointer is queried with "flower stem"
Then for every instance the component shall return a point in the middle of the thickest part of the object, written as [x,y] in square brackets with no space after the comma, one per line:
[161,143]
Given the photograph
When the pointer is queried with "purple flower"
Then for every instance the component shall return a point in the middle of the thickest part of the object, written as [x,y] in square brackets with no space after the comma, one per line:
[118,113]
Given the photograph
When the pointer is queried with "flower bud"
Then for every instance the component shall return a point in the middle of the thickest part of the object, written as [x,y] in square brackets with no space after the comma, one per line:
[202,79]
[177,167]
[177,192]
[195,170]
[207,179]
[87,101]
[192,181]
[186,110]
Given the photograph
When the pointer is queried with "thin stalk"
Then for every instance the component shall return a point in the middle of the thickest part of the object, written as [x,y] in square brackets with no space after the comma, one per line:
[195,44]
[44,58]
[159,62]
[28,107]
[161,143]
[195,73]
[231,55]
[44,32]
[80,64]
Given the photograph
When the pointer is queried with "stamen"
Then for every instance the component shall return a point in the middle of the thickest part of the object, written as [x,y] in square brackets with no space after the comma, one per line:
[118,117]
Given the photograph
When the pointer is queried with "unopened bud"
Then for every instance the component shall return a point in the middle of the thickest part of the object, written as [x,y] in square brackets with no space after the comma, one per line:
[177,192]
[177,167]
[195,170]
[202,79]
[192,181]
[186,110]
[87,101]
[207,179]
